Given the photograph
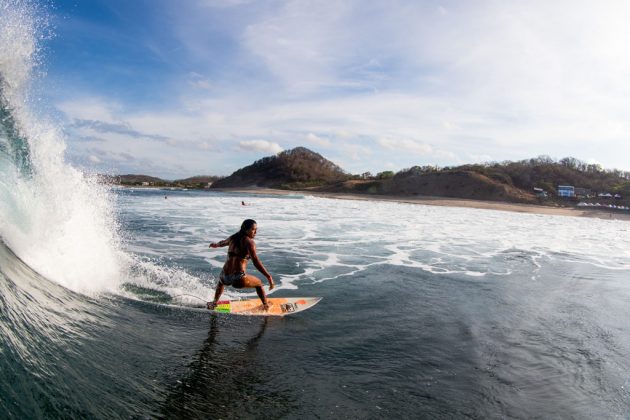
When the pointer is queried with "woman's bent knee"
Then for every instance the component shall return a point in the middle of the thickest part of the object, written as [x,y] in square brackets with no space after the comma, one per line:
[252,281]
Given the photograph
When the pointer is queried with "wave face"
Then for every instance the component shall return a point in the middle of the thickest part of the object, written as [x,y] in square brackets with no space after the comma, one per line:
[55,218]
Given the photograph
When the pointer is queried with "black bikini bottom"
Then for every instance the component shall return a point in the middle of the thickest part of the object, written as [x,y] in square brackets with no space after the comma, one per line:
[230,279]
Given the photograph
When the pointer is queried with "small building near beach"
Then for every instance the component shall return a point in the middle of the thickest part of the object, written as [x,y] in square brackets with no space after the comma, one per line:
[566,191]
[540,193]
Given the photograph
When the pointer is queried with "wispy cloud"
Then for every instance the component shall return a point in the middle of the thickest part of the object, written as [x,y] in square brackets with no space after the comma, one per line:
[198,81]
[94,159]
[405,145]
[367,82]
[120,128]
[224,3]
[316,140]
[260,146]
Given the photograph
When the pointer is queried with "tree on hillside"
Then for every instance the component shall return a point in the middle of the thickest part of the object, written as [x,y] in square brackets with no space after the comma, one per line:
[541,172]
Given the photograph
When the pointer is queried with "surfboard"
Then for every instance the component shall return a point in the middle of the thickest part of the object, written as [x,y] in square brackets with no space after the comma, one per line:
[277,306]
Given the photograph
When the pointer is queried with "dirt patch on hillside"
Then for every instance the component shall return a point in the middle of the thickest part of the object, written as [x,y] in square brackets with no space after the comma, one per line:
[463,184]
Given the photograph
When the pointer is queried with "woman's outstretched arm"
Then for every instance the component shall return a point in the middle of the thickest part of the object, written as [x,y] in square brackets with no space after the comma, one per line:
[219,244]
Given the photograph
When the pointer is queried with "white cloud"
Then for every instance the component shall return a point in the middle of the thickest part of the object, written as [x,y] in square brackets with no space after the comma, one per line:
[447,155]
[94,159]
[480,158]
[224,4]
[302,42]
[365,81]
[260,146]
[317,140]
[198,81]
[90,109]
[355,152]
[405,145]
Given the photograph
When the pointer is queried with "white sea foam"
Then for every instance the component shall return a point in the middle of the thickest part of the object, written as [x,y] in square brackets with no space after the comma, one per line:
[55,218]
[316,239]
[62,223]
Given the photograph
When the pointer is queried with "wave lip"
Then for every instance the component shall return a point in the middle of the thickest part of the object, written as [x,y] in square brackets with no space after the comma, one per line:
[58,220]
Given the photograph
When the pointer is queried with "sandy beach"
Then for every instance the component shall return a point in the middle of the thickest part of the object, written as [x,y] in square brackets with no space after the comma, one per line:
[453,202]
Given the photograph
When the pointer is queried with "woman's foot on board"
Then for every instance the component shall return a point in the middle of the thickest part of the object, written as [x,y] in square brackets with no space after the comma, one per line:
[211,305]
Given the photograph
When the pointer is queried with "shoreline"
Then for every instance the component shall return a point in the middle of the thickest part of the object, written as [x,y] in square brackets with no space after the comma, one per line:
[448,202]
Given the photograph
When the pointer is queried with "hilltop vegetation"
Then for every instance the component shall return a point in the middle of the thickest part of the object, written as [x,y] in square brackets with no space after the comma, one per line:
[544,172]
[291,169]
[506,181]
[303,169]
[200,181]
[451,183]
[133,179]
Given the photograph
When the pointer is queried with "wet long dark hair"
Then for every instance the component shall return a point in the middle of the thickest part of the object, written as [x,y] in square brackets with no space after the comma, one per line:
[237,238]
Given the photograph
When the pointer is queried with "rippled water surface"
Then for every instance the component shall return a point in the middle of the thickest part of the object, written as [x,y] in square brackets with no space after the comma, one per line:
[427,312]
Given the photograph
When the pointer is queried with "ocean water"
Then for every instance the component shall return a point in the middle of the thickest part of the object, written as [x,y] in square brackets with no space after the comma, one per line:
[427,312]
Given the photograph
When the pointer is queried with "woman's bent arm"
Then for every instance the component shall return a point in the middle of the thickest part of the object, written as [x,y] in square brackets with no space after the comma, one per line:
[258,264]
[219,244]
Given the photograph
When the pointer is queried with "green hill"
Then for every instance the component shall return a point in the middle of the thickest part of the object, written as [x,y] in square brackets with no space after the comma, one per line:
[301,168]
[506,181]
[291,169]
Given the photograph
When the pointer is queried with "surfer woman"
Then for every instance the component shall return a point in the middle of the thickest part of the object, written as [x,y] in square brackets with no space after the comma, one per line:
[241,248]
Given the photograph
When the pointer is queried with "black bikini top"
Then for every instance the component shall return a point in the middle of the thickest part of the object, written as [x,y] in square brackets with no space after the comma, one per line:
[239,255]
[236,254]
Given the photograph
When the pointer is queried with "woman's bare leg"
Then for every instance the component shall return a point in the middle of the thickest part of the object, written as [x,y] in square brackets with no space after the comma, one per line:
[254,282]
[217,295]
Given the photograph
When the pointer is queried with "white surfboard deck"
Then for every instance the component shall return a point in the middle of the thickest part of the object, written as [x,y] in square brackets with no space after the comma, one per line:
[277,306]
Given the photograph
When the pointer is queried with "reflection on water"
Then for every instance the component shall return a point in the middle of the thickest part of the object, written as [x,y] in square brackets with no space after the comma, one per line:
[226,378]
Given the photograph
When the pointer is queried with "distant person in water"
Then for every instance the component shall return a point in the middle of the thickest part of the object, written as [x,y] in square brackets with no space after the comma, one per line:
[243,203]
[241,248]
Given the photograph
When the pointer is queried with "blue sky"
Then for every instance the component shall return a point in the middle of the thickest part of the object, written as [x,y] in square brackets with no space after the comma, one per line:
[176,89]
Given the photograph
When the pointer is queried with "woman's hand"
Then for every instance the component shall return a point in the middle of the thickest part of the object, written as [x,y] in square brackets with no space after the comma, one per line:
[271,284]
[213,245]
